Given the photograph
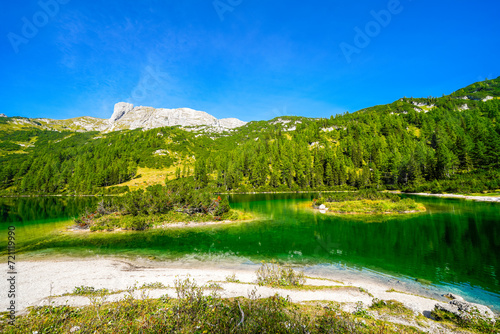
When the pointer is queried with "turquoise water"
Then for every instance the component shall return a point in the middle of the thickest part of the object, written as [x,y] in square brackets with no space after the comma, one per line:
[454,246]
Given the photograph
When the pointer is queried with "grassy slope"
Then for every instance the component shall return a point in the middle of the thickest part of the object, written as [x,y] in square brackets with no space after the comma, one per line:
[148,176]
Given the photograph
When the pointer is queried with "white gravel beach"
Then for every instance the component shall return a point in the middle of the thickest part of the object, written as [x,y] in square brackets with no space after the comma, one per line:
[467,197]
[37,281]
[51,282]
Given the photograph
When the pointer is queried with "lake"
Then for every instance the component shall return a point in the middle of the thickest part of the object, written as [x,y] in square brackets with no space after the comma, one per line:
[454,246]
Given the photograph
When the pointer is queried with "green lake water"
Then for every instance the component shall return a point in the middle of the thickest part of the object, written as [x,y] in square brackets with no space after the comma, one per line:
[454,246]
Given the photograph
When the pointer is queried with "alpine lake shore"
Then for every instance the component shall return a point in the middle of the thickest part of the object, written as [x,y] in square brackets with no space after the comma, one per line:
[154,296]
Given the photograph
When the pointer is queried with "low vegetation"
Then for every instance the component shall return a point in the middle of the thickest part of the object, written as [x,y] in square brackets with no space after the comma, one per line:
[196,311]
[274,274]
[157,205]
[201,309]
[390,307]
[474,323]
[88,290]
[232,279]
[367,202]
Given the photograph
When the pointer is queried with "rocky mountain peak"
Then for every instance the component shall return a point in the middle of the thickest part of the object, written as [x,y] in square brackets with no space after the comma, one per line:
[126,116]
[121,108]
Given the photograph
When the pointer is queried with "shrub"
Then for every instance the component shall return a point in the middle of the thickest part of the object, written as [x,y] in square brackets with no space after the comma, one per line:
[319,200]
[231,215]
[275,275]
[232,278]
[137,223]
[88,290]
[154,285]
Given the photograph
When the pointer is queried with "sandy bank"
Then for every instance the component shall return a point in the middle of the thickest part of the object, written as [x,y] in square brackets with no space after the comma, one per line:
[38,280]
[474,198]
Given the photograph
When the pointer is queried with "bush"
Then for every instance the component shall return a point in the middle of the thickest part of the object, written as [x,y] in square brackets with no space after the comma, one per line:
[88,290]
[232,279]
[137,223]
[222,206]
[231,215]
[275,275]
[318,201]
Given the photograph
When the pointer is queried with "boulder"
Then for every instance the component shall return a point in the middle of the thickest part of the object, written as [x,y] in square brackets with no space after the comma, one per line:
[3,115]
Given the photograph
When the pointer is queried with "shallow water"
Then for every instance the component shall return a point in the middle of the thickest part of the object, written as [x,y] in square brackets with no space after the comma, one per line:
[454,246]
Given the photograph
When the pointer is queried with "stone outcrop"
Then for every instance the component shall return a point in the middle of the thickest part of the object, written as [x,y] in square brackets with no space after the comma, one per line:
[126,116]
[3,115]
[121,108]
[453,296]
[465,310]
[231,123]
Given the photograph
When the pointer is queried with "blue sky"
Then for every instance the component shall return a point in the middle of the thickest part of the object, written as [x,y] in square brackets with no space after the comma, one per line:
[249,59]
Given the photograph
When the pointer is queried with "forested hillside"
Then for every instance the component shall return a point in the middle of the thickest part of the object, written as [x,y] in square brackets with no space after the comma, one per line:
[36,161]
[451,143]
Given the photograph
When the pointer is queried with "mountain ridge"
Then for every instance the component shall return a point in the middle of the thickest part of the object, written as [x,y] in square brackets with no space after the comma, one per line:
[192,120]
[448,143]
[127,117]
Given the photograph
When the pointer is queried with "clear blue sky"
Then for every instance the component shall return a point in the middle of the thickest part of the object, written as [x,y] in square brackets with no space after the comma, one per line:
[250,59]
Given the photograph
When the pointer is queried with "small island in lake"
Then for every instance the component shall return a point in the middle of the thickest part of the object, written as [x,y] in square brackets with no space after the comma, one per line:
[366,202]
[159,206]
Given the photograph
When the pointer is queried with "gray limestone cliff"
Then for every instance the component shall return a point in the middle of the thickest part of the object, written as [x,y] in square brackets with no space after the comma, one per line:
[126,116]
[120,110]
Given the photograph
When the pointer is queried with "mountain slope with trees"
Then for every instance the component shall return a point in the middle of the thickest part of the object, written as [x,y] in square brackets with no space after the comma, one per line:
[445,144]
